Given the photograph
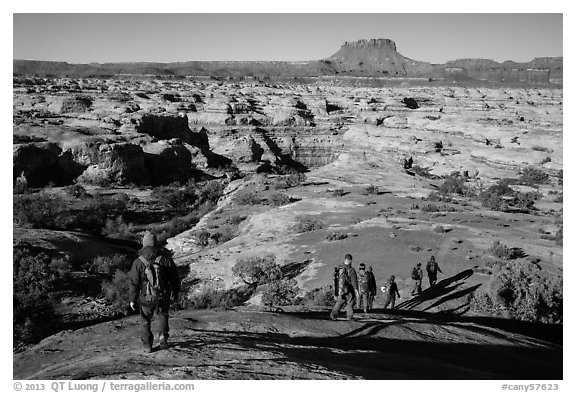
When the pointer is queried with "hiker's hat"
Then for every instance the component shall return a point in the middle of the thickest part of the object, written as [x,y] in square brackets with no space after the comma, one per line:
[149,240]
[418,264]
[362,266]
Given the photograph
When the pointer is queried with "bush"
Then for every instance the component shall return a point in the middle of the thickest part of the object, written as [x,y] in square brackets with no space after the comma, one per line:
[289,181]
[336,236]
[279,199]
[371,190]
[117,291]
[280,293]
[523,291]
[307,224]
[76,191]
[532,177]
[211,192]
[41,210]
[110,264]
[257,271]
[453,185]
[560,236]
[319,297]
[36,277]
[247,197]
[217,298]
[338,192]
[119,229]
[500,250]
[175,197]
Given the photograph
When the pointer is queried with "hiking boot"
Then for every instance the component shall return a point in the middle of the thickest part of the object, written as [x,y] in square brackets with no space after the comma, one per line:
[333,317]
[163,342]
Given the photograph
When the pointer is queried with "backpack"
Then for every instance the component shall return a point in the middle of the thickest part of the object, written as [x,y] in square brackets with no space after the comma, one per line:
[344,280]
[363,281]
[415,274]
[336,279]
[155,286]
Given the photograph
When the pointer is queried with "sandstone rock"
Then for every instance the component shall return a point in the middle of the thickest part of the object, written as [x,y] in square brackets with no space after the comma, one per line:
[118,163]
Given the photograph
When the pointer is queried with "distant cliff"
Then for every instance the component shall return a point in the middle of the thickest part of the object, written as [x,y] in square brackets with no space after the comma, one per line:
[370,58]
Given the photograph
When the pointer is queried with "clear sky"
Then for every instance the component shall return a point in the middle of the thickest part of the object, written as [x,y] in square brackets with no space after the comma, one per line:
[436,38]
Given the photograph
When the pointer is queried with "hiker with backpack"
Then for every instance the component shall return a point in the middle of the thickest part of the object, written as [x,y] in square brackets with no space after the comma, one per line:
[371,287]
[346,290]
[417,276]
[363,287]
[154,283]
[432,269]
[390,292]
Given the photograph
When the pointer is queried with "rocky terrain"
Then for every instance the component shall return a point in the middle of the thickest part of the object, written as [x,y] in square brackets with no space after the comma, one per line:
[376,161]
[375,58]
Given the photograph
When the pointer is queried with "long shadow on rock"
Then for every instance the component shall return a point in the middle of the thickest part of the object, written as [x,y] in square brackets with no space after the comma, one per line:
[293,269]
[454,296]
[384,358]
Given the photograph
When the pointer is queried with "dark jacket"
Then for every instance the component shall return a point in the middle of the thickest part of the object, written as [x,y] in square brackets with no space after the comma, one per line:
[419,273]
[342,289]
[393,289]
[371,282]
[138,277]
[432,268]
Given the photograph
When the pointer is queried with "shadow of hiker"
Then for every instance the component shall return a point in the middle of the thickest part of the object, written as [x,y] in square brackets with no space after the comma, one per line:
[440,289]
[453,296]
[293,269]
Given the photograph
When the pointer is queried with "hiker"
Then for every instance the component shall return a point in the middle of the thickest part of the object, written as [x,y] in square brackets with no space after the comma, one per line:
[371,287]
[432,269]
[154,283]
[417,276]
[363,287]
[347,289]
[390,293]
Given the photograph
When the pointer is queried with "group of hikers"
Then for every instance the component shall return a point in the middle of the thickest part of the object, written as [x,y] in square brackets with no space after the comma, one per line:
[351,288]
[155,283]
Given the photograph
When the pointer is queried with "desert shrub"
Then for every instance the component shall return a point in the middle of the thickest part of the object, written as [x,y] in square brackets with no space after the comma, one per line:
[110,264]
[209,298]
[118,229]
[336,236]
[247,197]
[545,160]
[561,177]
[500,250]
[523,291]
[116,291]
[280,293]
[453,185]
[235,220]
[319,297]
[338,192]
[559,198]
[257,270]
[307,224]
[429,208]
[176,225]
[532,177]
[76,191]
[289,181]
[40,210]
[559,237]
[36,276]
[421,171]
[174,196]
[211,191]
[371,190]
[436,197]
[279,199]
